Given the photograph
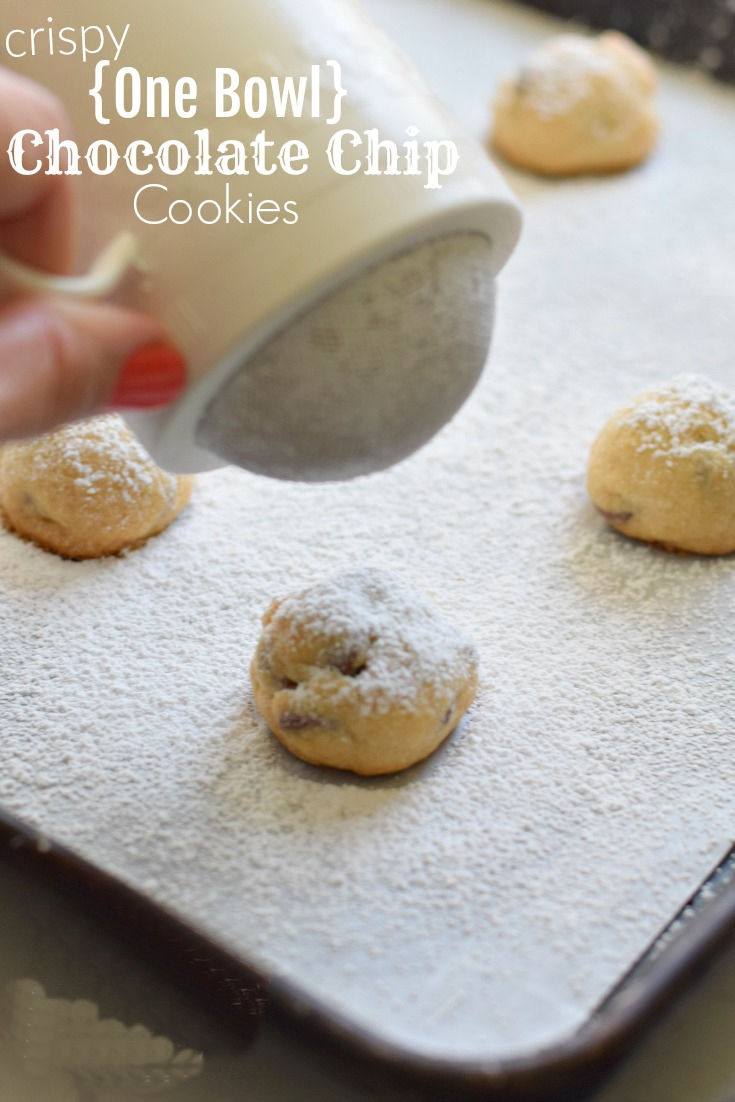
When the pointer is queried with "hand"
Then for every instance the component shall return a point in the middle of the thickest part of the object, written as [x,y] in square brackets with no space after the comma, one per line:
[62,360]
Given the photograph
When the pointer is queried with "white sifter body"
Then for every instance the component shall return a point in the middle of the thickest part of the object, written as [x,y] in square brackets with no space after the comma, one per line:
[331,321]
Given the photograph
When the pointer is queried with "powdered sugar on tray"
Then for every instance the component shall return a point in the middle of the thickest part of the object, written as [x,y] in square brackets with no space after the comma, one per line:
[482,903]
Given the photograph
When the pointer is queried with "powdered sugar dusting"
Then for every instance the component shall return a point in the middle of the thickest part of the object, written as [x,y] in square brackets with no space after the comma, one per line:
[87,488]
[690,415]
[402,642]
[558,75]
[93,453]
[482,903]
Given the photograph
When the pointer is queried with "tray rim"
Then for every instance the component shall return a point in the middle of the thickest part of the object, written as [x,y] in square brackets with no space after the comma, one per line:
[207,970]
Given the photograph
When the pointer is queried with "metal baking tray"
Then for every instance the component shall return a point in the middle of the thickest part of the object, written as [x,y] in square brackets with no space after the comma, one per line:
[243,999]
[202,835]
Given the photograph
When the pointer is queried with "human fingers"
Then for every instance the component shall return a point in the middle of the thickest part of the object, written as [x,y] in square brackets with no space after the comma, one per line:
[36,211]
[61,361]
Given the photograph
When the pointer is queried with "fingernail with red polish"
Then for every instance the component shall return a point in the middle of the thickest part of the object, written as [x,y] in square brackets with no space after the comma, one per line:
[153,376]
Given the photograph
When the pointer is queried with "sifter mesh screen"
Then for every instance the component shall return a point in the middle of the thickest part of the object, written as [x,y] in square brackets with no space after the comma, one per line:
[365,376]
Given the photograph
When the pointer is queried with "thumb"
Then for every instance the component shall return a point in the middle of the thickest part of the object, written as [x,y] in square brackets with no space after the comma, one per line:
[61,361]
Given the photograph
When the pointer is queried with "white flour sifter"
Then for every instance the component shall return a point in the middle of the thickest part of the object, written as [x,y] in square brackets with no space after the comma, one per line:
[333,319]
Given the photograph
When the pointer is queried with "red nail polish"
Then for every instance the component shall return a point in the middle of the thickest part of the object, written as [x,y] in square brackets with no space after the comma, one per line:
[153,376]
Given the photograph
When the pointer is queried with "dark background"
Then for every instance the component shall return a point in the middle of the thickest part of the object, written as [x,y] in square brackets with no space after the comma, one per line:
[698,32]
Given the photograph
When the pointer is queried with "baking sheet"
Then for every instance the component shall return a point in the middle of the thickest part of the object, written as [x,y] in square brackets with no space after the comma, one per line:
[481,904]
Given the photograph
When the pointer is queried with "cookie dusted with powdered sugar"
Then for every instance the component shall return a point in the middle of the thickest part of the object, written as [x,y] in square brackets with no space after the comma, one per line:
[359,672]
[663,467]
[578,105]
[87,490]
